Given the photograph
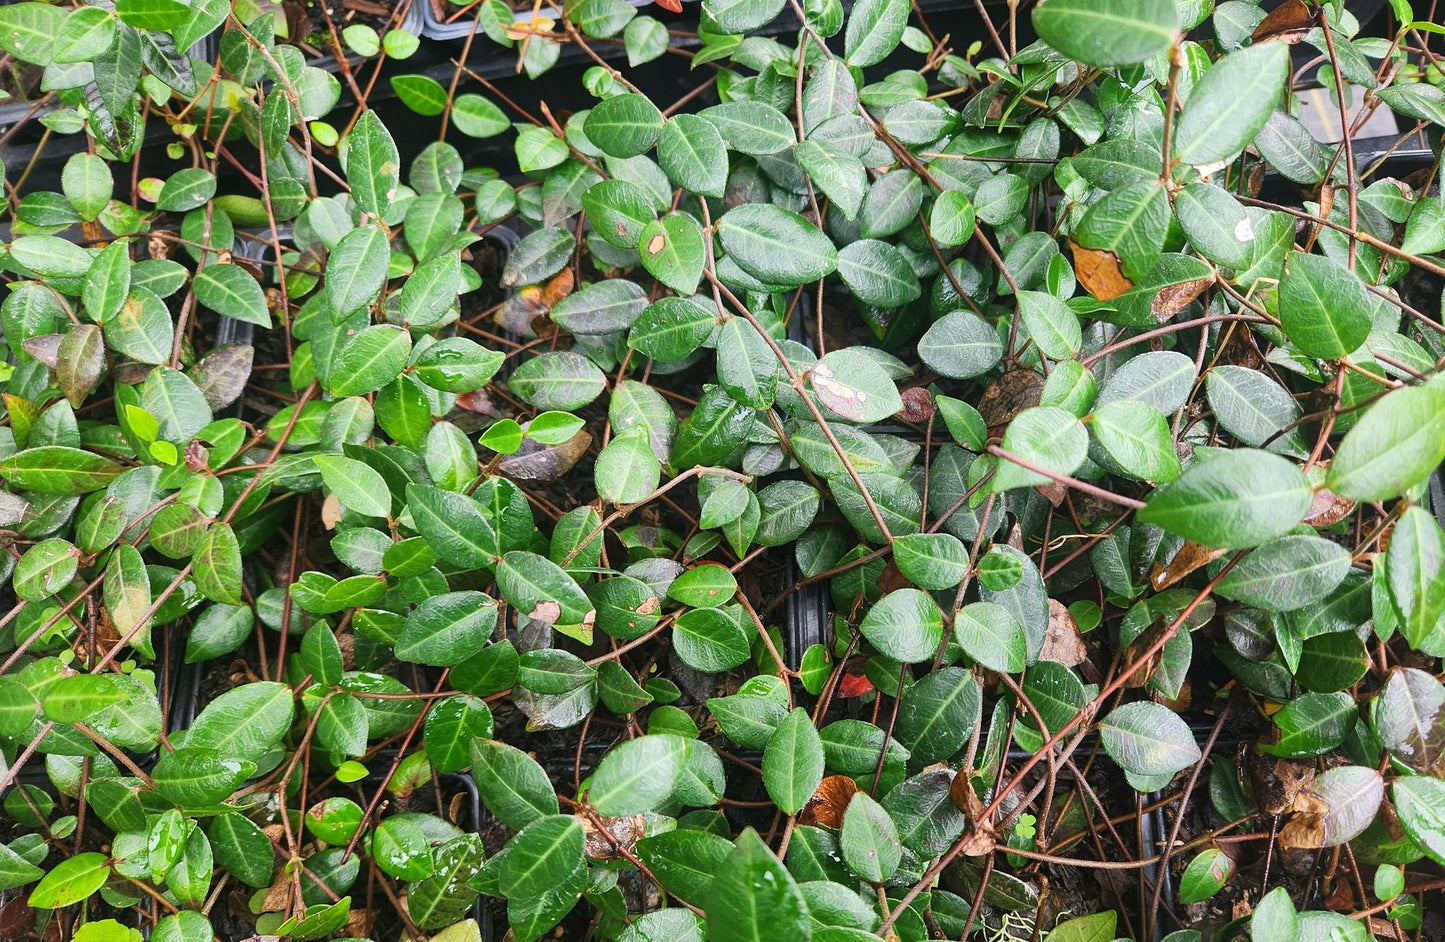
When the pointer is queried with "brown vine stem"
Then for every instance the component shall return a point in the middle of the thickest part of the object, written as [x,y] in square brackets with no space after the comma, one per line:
[1079,719]
[1068,481]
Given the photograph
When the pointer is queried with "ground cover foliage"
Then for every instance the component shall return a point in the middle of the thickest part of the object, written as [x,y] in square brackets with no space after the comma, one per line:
[822,472]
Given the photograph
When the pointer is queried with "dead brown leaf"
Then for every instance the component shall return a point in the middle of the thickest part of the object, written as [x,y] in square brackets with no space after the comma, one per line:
[1289,23]
[1172,299]
[828,803]
[917,405]
[1189,558]
[1007,396]
[1063,644]
[1099,272]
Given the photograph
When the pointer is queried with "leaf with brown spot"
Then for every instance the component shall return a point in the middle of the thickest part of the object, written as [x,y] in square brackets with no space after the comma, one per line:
[1099,272]
[546,612]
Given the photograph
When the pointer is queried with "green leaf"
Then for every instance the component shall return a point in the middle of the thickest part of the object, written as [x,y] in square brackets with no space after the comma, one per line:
[1135,437]
[355,484]
[421,93]
[1107,32]
[1205,875]
[1052,325]
[638,775]
[627,470]
[685,861]
[186,189]
[710,640]
[793,762]
[990,635]
[1274,918]
[1254,409]
[904,625]
[70,881]
[1313,724]
[217,565]
[57,469]
[1413,574]
[453,526]
[776,246]
[229,290]
[244,722]
[645,40]
[373,166]
[1131,222]
[692,154]
[356,270]
[1045,436]
[671,329]
[838,174]
[937,715]
[446,629]
[373,357]
[869,839]
[754,898]
[1390,450]
[1323,307]
[1148,739]
[1235,499]
[951,221]
[874,29]
[934,561]
[960,346]
[196,776]
[1286,574]
[512,784]
[624,126]
[1420,804]
[1098,927]
[559,380]
[476,116]
[751,127]
[1231,103]
[28,30]
[877,274]
[542,855]
[108,282]
[542,590]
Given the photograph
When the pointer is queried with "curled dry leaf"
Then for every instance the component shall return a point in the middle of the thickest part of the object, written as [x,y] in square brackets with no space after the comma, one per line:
[828,803]
[537,462]
[1189,558]
[1062,642]
[607,838]
[1099,272]
[917,405]
[1006,397]
[1290,22]
[1172,299]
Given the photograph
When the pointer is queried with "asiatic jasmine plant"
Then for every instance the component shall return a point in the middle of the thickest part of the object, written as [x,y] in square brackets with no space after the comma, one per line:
[905,479]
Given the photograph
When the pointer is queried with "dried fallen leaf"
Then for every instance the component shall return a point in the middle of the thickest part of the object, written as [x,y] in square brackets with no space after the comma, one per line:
[917,405]
[1063,644]
[1289,23]
[1172,299]
[828,803]
[1189,558]
[1007,396]
[537,462]
[1099,272]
